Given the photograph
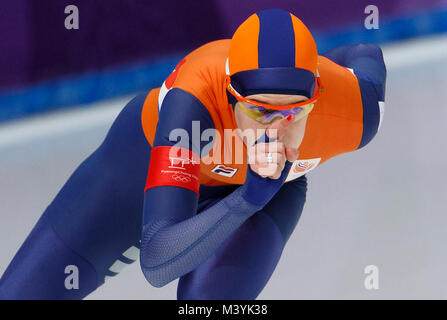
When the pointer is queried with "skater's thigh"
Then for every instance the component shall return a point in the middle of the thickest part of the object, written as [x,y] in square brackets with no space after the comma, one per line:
[98,212]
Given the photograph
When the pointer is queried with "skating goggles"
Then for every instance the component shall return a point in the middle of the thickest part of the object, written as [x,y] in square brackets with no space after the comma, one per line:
[266,113]
[267,116]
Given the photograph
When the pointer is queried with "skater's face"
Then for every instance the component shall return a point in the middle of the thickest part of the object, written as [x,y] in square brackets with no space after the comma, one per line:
[293,135]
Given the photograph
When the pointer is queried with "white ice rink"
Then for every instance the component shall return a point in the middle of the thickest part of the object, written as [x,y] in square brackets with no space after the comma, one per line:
[383,205]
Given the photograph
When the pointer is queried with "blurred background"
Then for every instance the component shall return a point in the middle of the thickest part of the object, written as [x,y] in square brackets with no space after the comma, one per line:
[383,205]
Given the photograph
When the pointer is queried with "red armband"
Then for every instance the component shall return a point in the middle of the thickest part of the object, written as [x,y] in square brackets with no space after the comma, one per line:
[173,166]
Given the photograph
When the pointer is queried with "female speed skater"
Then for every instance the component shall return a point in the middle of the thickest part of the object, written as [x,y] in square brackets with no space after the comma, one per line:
[204,178]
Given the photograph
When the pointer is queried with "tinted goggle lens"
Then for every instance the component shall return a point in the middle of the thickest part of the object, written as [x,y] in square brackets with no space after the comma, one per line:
[266,116]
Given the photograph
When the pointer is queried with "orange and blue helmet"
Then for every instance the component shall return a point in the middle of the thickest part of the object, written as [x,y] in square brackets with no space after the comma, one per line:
[273,52]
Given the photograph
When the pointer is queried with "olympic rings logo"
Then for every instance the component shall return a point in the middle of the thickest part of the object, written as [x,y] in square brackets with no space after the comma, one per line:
[181,178]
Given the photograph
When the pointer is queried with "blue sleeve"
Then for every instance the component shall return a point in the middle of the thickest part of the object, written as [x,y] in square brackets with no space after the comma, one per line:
[174,239]
[366,61]
[244,263]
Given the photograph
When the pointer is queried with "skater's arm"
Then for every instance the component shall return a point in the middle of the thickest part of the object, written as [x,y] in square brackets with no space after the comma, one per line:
[366,60]
[174,239]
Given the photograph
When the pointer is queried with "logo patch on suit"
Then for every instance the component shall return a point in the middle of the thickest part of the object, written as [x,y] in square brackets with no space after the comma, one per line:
[224,170]
[301,167]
